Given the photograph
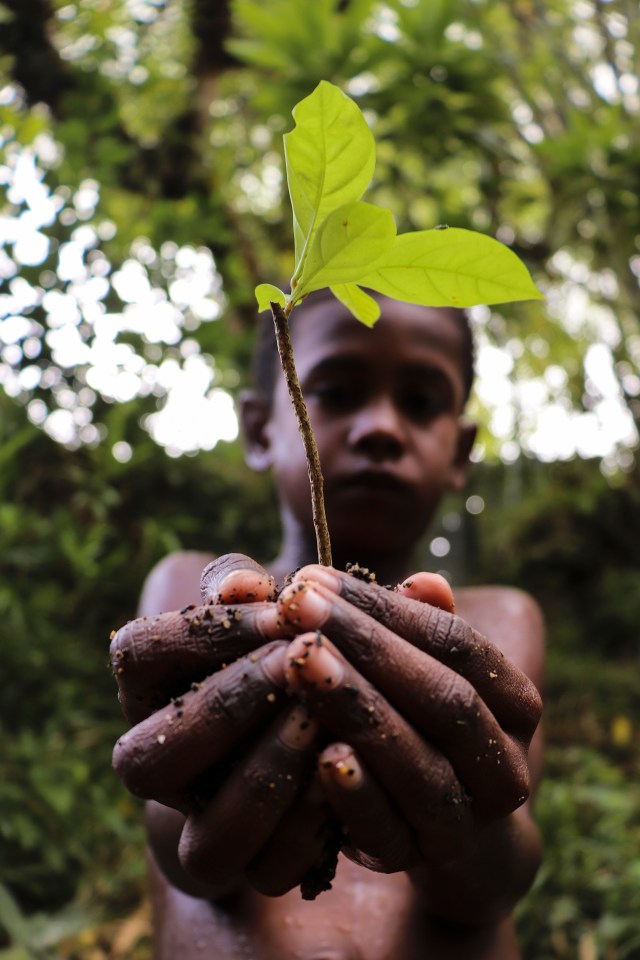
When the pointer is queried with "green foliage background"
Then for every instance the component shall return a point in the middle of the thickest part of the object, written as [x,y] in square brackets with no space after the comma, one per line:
[179,119]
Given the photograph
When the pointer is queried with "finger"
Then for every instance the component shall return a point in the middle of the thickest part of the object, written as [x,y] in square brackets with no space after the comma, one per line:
[430,588]
[415,774]
[444,707]
[156,658]
[297,844]
[162,755]
[506,690]
[378,838]
[234,578]
[221,839]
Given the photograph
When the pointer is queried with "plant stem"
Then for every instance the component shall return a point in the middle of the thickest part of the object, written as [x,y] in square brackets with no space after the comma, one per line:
[285,349]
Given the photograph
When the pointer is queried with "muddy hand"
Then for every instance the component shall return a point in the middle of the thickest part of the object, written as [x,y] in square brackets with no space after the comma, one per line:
[419,757]
[237,831]
[245,793]
[420,611]
[162,755]
[229,749]
[157,658]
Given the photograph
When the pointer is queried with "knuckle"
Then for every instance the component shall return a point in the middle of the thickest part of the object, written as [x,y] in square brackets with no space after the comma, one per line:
[515,788]
[377,604]
[521,786]
[456,637]
[126,763]
[460,699]
[230,697]
[132,643]
[529,707]
[197,856]
[419,621]
[375,601]
[263,786]
[223,706]
[440,633]
[122,646]
[533,703]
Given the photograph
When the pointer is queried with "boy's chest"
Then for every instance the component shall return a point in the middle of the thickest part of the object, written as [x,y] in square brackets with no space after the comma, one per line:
[365,916]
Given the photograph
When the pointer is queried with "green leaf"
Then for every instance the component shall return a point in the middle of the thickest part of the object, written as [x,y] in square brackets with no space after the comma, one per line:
[361,305]
[266,293]
[330,156]
[346,246]
[451,267]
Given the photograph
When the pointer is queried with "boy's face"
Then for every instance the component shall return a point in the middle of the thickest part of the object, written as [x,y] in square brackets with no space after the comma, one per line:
[385,406]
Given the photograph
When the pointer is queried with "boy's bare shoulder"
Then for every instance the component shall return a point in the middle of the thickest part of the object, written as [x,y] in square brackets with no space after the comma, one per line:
[511,619]
[505,601]
[173,582]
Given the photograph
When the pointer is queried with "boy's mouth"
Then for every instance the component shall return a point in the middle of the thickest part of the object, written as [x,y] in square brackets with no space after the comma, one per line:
[375,481]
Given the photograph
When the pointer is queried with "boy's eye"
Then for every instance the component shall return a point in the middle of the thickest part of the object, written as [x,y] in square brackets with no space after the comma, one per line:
[420,404]
[335,395]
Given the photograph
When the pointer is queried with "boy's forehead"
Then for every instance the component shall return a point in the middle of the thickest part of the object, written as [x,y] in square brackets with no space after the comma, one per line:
[328,329]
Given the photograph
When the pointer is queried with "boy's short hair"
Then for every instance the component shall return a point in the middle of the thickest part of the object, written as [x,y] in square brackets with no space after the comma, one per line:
[266,365]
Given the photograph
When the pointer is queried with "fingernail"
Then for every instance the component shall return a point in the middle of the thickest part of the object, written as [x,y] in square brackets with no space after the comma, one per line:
[244,586]
[269,622]
[430,588]
[302,606]
[341,765]
[311,662]
[273,664]
[321,575]
[298,729]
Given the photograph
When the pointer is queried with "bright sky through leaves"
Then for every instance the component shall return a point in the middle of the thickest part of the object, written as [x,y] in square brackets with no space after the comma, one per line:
[142,52]
[83,336]
[194,414]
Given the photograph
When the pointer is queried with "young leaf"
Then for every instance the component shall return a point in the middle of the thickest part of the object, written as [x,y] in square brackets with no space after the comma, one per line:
[330,156]
[360,304]
[451,267]
[347,244]
[265,293]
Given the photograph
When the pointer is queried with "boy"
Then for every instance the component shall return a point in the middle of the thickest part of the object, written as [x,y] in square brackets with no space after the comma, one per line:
[340,713]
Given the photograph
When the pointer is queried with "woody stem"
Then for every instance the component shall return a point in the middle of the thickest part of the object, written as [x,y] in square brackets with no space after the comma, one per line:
[285,349]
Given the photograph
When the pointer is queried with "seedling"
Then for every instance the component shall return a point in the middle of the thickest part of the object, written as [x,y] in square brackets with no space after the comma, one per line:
[346,244]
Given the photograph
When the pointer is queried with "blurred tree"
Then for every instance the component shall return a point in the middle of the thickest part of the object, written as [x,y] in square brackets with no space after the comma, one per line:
[516,118]
[79,532]
[142,173]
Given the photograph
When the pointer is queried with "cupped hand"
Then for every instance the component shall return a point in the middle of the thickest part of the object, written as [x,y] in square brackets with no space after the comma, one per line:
[216,735]
[157,658]
[430,722]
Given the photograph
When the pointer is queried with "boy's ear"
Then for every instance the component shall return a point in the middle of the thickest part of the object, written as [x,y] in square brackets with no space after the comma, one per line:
[460,466]
[254,413]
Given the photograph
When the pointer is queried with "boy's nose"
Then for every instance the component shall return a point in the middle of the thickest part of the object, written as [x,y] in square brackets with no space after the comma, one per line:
[378,431]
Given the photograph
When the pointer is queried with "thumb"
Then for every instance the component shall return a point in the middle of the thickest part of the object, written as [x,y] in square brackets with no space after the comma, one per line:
[428,588]
[235,578]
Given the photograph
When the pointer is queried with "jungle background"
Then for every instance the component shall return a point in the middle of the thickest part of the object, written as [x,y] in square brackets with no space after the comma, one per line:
[143,197]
